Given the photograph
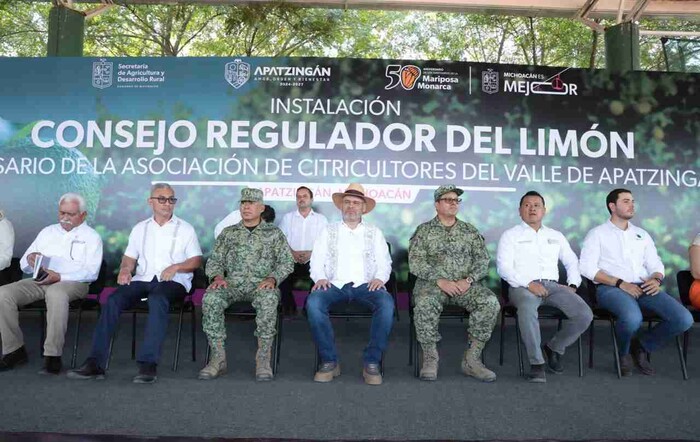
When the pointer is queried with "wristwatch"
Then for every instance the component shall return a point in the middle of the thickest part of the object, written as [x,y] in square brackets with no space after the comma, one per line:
[619,283]
[469,279]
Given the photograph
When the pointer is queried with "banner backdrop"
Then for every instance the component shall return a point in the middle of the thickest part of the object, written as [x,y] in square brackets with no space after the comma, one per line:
[108,128]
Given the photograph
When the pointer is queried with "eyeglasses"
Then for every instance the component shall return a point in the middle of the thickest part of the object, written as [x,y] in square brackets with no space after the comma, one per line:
[451,200]
[163,200]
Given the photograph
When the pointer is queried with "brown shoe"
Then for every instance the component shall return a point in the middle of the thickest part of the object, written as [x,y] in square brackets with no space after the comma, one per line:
[327,372]
[372,374]
[626,365]
[641,358]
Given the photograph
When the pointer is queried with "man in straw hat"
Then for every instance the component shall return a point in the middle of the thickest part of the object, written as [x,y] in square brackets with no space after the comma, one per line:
[249,261]
[449,259]
[350,262]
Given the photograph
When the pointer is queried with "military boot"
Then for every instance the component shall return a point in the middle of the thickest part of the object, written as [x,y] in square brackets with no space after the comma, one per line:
[263,371]
[472,365]
[429,367]
[217,362]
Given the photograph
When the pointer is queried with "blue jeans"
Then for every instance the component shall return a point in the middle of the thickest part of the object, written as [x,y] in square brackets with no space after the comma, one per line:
[675,319]
[159,296]
[379,301]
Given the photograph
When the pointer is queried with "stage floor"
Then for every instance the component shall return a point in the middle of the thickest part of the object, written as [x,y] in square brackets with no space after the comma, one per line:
[597,406]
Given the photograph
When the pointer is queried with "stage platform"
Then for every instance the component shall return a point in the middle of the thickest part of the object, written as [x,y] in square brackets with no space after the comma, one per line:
[595,407]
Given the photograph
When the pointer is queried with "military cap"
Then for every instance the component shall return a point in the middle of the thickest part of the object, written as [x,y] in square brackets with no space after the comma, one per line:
[447,189]
[252,195]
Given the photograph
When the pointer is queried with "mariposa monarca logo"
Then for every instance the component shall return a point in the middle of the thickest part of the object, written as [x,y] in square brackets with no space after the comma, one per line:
[406,76]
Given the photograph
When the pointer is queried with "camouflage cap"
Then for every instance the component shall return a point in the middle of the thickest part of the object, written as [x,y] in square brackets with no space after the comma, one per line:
[250,194]
[447,189]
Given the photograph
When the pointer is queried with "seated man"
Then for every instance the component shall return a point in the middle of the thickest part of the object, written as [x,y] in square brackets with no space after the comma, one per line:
[301,227]
[7,242]
[350,262]
[622,260]
[449,259]
[71,255]
[249,260]
[164,251]
[527,259]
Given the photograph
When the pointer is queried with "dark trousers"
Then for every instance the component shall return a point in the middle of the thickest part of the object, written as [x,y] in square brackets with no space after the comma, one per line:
[300,273]
[159,295]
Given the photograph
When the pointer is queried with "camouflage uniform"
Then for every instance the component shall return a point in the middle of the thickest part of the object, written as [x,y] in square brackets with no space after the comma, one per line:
[456,252]
[245,258]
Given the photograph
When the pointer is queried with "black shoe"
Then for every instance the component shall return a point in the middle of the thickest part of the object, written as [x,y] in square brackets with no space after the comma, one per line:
[536,374]
[553,358]
[626,365]
[147,374]
[89,370]
[52,365]
[641,358]
[13,359]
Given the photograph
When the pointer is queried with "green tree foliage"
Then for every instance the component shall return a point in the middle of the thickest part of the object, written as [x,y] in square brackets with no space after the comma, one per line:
[279,29]
[154,30]
[23,28]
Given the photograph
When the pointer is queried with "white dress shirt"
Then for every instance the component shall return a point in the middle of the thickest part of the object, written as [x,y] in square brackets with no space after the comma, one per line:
[525,255]
[157,247]
[302,232]
[231,219]
[75,255]
[7,241]
[351,263]
[627,254]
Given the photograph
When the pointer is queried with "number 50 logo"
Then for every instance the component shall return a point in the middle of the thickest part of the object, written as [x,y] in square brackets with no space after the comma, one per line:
[406,76]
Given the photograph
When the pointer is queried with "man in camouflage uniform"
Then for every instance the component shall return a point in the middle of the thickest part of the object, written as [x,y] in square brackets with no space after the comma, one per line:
[449,259]
[249,261]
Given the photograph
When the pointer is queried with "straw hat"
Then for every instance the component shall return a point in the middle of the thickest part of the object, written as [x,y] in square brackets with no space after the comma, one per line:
[356,190]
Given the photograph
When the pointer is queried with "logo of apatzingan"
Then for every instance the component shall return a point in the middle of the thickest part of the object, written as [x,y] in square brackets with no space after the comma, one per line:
[237,73]
[102,74]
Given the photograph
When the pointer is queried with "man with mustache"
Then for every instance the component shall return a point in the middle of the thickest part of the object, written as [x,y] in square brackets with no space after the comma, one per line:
[449,259]
[528,259]
[350,262]
[71,255]
[622,260]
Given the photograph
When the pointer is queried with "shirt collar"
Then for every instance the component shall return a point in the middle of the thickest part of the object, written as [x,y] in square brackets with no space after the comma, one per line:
[173,219]
[359,226]
[436,222]
[525,225]
[630,226]
[296,213]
